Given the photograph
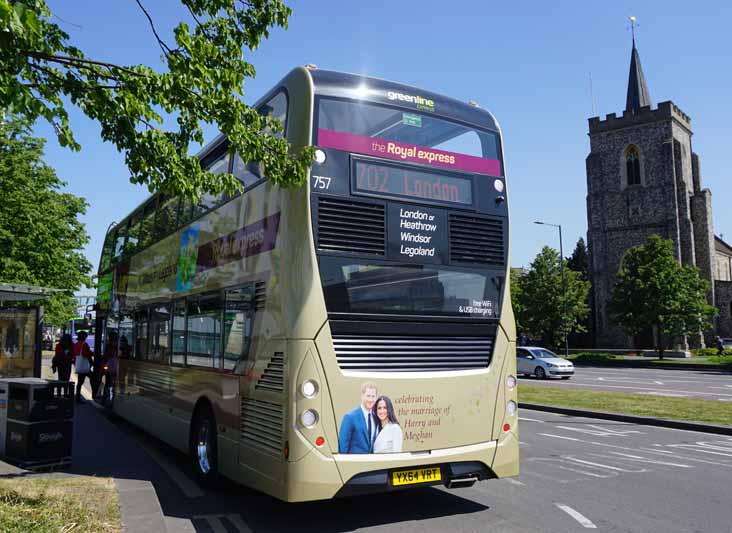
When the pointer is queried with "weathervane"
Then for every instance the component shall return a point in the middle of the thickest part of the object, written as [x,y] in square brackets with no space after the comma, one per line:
[632,20]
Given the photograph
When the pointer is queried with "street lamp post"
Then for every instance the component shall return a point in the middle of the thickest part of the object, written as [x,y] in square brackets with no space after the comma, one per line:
[564,284]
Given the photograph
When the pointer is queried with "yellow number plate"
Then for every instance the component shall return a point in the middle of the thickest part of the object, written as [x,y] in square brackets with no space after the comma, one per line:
[411,477]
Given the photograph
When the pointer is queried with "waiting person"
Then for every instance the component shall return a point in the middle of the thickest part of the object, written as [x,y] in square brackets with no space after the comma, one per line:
[82,362]
[63,358]
[111,363]
[720,345]
[95,376]
[390,436]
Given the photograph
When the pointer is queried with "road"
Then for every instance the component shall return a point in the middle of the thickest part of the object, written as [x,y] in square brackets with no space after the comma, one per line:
[704,384]
[576,474]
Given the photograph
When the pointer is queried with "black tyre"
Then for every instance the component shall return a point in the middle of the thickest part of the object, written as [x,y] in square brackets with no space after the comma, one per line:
[204,451]
[566,377]
[540,373]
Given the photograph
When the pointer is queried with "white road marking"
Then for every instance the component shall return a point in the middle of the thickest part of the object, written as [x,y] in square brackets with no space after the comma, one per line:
[515,481]
[189,488]
[216,523]
[600,465]
[665,453]
[611,431]
[699,448]
[521,418]
[583,520]
[239,523]
[564,464]
[650,461]
[658,382]
[569,384]
[560,437]
[599,431]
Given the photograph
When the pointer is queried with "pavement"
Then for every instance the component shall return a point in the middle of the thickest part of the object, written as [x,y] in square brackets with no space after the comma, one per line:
[702,384]
[105,449]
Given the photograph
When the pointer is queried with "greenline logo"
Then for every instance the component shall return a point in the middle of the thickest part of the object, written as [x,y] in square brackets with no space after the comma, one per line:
[421,102]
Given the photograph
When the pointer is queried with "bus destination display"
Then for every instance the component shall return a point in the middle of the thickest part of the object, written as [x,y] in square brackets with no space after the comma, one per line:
[406,183]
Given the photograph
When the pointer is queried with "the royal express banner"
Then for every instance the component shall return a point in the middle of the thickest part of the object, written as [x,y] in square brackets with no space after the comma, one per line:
[216,251]
[412,153]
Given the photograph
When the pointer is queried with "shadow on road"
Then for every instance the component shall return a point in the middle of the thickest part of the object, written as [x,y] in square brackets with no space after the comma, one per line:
[262,513]
[109,446]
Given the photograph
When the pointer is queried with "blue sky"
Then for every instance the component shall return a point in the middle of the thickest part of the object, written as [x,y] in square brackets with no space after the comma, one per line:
[528,62]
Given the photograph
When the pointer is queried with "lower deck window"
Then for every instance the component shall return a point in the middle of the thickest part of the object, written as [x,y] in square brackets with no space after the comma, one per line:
[204,331]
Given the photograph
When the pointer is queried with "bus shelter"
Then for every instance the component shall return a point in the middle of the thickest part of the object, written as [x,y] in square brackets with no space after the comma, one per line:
[21,323]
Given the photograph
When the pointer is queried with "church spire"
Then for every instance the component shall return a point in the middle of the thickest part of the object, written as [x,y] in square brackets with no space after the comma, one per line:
[638,94]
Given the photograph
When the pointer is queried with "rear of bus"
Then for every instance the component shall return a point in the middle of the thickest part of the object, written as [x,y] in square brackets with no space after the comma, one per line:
[410,234]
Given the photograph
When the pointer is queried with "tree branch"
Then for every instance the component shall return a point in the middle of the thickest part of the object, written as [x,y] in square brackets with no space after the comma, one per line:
[78,62]
[164,47]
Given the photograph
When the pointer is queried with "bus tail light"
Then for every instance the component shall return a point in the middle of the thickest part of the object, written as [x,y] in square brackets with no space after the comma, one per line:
[319,441]
[506,427]
[309,418]
[511,408]
[511,382]
[309,389]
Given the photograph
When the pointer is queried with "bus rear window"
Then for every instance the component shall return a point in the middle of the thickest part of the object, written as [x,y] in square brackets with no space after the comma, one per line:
[372,120]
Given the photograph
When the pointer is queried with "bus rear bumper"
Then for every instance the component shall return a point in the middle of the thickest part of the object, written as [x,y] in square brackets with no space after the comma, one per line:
[452,474]
[373,473]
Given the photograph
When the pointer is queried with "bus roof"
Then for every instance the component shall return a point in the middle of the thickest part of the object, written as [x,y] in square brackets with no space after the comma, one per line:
[345,85]
[340,84]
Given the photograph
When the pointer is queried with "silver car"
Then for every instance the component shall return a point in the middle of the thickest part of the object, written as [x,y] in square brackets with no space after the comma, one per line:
[542,363]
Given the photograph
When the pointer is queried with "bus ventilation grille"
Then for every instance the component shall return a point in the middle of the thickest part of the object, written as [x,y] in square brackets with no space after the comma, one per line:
[262,425]
[260,295]
[412,354]
[476,240]
[350,226]
[273,377]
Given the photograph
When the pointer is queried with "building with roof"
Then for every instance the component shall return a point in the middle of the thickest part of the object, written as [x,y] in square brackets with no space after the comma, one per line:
[644,178]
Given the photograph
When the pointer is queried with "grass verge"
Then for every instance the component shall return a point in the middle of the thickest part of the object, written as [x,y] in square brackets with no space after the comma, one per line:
[711,411]
[724,361]
[79,504]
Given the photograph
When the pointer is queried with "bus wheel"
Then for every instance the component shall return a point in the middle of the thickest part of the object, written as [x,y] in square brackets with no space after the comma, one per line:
[203,445]
[540,373]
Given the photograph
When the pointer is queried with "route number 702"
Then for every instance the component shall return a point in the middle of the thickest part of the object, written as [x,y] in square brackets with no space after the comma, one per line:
[321,182]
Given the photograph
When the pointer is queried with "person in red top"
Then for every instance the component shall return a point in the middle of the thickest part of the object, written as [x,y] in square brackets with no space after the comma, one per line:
[82,364]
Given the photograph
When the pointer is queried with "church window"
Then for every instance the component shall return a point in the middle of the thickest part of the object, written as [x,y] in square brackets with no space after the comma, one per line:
[632,165]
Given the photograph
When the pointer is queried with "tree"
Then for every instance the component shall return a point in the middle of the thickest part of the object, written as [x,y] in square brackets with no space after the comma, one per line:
[42,73]
[41,237]
[516,297]
[654,291]
[579,261]
[542,307]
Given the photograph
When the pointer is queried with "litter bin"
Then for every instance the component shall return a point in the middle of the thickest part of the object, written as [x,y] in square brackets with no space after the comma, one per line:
[40,423]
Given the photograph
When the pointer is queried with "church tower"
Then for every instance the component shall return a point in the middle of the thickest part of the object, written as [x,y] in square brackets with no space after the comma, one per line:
[642,179]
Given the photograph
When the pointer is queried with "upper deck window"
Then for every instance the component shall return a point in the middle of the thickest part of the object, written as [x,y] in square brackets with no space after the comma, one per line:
[420,129]
[251,172]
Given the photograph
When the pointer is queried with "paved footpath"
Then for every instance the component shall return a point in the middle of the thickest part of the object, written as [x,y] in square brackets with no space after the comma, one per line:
[102,448]
[702,384]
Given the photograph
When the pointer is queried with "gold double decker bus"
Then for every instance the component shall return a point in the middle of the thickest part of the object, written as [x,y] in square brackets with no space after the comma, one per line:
[350,336]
